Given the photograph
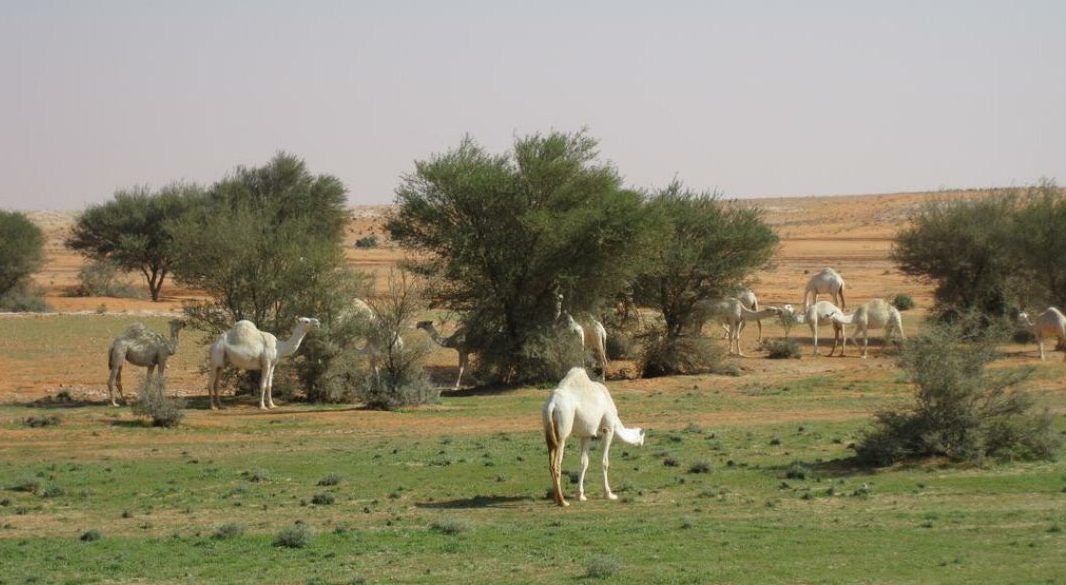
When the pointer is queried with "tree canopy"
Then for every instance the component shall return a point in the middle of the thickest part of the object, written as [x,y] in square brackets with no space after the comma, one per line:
[130,231]
[21,250]
[503,234]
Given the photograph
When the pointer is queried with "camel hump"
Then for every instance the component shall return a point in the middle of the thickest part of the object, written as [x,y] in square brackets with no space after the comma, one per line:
[135,330]
[243,332]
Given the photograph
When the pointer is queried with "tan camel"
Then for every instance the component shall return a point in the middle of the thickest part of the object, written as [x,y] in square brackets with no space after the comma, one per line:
[583,408]
[750,302]
[731,313]
[246,347]
[828,281]
[1050,323]
[457,341]
[143,347]
[875,314]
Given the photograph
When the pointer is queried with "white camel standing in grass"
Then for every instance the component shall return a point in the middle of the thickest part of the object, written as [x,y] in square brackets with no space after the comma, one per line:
[731,313]
[246,347]
[143,347]
[456,341]
[1050,323]
[828,281]
[875,314]
[582,408]
[818,314]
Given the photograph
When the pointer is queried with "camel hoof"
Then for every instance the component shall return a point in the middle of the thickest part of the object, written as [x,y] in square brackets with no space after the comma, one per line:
[612,496]
[564,504]
[582,498]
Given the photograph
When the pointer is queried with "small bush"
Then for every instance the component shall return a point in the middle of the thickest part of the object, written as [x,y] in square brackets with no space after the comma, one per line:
[41,421]
[671,356]
[52,491]
[152,402]
[24,298]
[90,535]
[797,470]
[30,485]
[779,349]
[298,535]
[701,466]
[257,475]
[450,526]
[228,531]
[903,302]
[370,241]
[331,479]
[602,566]
[102,278]
[962,411]
[323,499]
[548,355]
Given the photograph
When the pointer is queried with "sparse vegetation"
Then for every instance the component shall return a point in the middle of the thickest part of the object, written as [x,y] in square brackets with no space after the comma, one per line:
[450,526]
[903,302]
[602,566]
[298,535]
[152,401]
[36,422]
[102,278]
[779,349]
[21,254]
[228,530]
[670,356]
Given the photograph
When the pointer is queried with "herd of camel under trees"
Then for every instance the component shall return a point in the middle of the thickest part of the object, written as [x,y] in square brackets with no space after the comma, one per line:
[578,406]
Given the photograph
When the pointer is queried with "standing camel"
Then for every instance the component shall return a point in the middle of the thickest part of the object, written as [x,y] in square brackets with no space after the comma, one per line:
[875,314]
[1050,323]
[731,313]
[583,408]
[828,281]
[143,347]
[246,347]
[457,341]
[820,313]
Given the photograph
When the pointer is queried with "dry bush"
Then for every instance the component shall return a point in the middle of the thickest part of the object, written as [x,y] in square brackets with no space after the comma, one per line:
[679,356]
[152,402]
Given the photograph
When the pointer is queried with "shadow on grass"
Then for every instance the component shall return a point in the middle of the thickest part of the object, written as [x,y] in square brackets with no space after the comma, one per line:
[833,468]
[478,501]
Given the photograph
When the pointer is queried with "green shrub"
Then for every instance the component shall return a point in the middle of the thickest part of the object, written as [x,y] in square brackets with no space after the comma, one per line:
[779,349]
[102,278]
[152,402]
[450,526]
[228,531]
[330,479]
[672,356]
[903,302]
[41,421]
[323,499]
[90,535]
[701,466]
[602,566]
[797,470]
[962,411]
[27,484]
[370,241]
[24,297]
[298,535]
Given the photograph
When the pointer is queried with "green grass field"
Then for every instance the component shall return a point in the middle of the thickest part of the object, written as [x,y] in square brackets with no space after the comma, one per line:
[742,480]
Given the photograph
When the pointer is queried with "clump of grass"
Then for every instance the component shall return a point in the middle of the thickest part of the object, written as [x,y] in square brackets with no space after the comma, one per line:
[903,302]
[228,531]
[257,475]
[450,526]
[52,491]
[797,470]
[323,499]
[296,536]
[152,402]
[780,349]
[602,566]
[671,461]
[90,535]
[330,479]
[41,421]
[30,485]
[701,466]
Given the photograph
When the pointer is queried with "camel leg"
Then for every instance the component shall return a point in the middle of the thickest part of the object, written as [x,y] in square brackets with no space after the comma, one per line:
[462,366]
[865,342]
[736,336]
[270,388]
[212,389]
[585,443]
[555,465]
[814,337]
[113,380]
[608,435]
[1039,343]
[263,384]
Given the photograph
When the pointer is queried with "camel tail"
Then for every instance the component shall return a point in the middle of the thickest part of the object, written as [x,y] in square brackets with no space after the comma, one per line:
[843,303]
[551,431]
[110,360]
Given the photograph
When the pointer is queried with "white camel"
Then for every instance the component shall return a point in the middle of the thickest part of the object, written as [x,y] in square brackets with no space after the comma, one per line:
[582,408]
[731,313]
[591,335]
[246,347]
[828,281]
[750,302]
[875,314]
[372,349]
[818,314]
[1050,323]
[457,341]
[143,347]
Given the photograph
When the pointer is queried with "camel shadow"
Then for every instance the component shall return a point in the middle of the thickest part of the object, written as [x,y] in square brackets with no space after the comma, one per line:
[478,501]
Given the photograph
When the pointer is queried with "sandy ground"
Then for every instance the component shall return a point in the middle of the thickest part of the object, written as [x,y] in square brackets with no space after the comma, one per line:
[852,234]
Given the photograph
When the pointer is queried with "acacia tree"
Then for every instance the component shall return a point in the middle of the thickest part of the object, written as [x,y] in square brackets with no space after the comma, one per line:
[1039,245]
[130,231]
[709,248]
[502,234]
[21,252]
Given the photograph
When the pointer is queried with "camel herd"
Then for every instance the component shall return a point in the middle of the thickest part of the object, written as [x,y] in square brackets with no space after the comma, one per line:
[578,406]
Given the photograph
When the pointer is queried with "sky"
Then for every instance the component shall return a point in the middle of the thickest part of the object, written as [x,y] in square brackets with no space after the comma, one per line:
[749,98]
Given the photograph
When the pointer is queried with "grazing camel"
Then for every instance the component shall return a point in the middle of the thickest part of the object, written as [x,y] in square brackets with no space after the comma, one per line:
[457,341]
[1050,323]
[750,302]
[875,314]
[820,313]
[592,335]
[583,408]
[828,281]
[731,313]
[246,347]
[140,346]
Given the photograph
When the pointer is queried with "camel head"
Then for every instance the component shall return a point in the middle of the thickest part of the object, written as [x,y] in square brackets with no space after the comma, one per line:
[633,436]
[309,323]
[1023,318]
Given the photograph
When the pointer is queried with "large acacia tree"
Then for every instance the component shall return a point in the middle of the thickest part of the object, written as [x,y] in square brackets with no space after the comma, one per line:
[709,247]
[130,231]
[503,234]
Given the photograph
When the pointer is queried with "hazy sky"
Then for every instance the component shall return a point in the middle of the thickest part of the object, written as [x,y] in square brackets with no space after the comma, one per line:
[752,98]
